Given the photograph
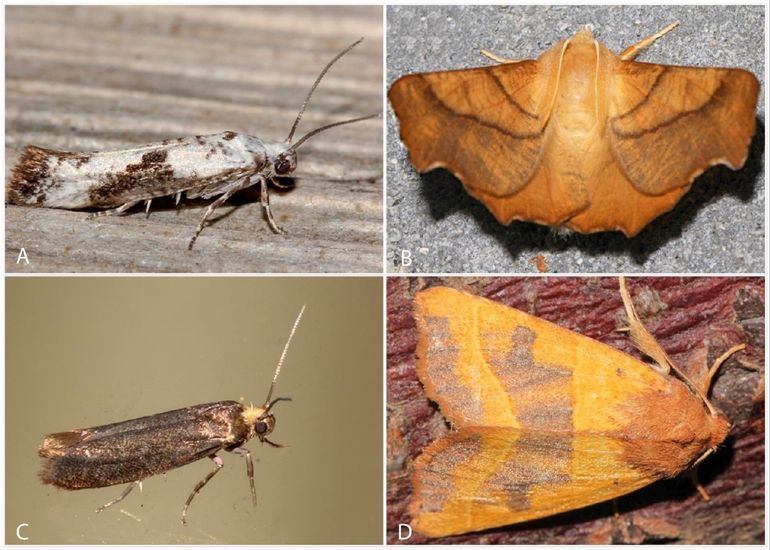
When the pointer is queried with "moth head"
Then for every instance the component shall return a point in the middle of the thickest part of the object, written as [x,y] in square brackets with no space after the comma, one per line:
[264,422]
[294,146]
[285,163]
[264,426]
[260,420]
[720,429]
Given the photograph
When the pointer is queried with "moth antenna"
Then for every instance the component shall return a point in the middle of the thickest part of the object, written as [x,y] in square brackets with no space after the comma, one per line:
[273,402]
[315,85]
[718,363]
[646,343]
[283,356]
[310,134]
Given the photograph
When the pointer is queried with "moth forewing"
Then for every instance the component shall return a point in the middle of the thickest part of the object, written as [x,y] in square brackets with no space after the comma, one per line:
[133,450]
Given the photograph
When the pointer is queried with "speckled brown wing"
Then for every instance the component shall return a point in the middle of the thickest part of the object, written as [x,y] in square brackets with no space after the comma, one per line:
[484,477]
[137,449]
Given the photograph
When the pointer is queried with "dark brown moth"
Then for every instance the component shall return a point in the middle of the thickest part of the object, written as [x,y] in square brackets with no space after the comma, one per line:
[196,166]
[133,450]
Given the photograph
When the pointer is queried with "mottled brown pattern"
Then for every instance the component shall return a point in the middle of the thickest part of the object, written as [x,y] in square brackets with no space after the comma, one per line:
[334,218]
[30,179]
[158,181]
[155,157]
[137,449]
[439,362]
[540,392]
[76,159]
[539,459]
[128,184]
[438,464]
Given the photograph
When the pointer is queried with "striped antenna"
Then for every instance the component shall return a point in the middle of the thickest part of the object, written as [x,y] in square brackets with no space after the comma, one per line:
[283,355]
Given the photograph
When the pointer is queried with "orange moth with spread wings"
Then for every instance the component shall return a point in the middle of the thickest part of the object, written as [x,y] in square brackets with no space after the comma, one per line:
[579,137]
[545,420]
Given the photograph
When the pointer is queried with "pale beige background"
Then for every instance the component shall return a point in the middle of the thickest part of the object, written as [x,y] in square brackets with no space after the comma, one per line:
[90,351]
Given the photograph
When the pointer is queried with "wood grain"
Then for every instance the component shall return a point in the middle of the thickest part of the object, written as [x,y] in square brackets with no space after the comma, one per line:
[691,318]
[97,78]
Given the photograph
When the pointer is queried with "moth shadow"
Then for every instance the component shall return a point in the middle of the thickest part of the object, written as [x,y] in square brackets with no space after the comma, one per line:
[445,194]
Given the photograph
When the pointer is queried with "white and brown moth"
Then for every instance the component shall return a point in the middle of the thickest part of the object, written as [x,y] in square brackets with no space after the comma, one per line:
[198,167]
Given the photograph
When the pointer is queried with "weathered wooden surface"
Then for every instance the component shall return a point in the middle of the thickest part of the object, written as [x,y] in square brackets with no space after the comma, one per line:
[694,320]
[98,78]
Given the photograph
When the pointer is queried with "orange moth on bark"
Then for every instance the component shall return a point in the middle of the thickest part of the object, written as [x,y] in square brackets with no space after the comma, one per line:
[545,420]
[579,137]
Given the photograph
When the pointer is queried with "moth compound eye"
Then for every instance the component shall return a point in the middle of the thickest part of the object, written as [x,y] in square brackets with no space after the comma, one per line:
[260,427]
[282,166]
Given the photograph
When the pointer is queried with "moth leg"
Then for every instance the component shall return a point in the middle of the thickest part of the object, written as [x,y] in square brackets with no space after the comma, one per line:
[199,486]
[496,58]
[249,470]
[631,52]
[119,210]
[276,445]
[278,184]
[216,204]
[693,475]
[123,495]
[265,199]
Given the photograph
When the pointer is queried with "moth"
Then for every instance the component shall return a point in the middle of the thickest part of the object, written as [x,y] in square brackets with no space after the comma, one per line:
[579,138]
[197,167]
[133,450]
[545,420]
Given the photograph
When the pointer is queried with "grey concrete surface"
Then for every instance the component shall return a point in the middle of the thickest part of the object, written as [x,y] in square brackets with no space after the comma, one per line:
[717,227]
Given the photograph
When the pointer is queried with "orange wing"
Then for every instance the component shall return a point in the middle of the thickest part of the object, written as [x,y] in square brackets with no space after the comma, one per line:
[468,120]
[481,477]
[668,124]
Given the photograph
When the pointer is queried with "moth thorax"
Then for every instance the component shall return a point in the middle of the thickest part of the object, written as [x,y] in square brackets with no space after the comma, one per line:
[584,36]
[258,420]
